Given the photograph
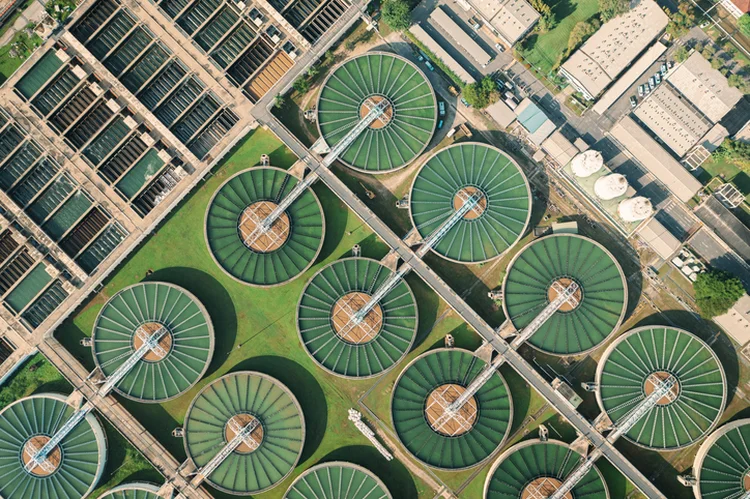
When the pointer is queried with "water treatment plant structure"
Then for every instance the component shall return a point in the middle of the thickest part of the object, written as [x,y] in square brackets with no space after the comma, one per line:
[217,93]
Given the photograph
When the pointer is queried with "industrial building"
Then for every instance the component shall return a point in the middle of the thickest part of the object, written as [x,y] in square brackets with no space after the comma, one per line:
[402,132]
[249,404]
[71,468]
[366,348]
[237,245]
[721,464]
[421,396]
[433,46]
[563,259]
[641,359]
[508,19]
[612,49]
[462,39]
[536,468]
[337,480]
[499,218]
[536,123]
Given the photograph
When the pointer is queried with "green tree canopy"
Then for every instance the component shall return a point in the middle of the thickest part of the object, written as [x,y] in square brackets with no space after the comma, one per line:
[482,93]
[396,14]
[609,9]
[744,24]
[734,151]
[681,54]
[716,291]
[682,20]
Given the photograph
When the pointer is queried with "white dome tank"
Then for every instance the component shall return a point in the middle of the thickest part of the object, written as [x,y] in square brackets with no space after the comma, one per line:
[587,163]
[611,186]
[635,209]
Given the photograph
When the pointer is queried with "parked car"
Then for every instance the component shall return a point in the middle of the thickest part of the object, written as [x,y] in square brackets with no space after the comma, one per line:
[440,124]
[663,69]
[651,83]
[499,46]
[657,77]
[441,108]
[429,65]
[633,101]
[465,102]
[640,90]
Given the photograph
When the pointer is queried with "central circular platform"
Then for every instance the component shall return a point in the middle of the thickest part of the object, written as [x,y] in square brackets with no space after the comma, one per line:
[448,179]
[655,379]
[440,398]
[395,138]
[564,258]
[534,469]
[452,370]
[282,253]
[341,317]
[144,332]
[369,103]
[270,240]
[543,487]
[722,462]
[559,285]
[631,365]
[374,345]
[463,195]
[74,466]
[242,396]
[136,313]
[32,446]
[337,480]
[239,421]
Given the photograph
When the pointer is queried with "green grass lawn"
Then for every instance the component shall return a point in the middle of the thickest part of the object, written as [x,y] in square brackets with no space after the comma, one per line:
[543,51]
[255,328]
[8,64]
[124,462]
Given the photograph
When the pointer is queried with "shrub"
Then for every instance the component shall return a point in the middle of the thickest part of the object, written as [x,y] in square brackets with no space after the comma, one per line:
[396,14]
[716,291]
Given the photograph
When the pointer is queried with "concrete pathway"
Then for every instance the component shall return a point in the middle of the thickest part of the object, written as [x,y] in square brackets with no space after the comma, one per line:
[34,13]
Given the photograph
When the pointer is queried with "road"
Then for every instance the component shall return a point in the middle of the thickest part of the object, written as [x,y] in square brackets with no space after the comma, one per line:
[405,253]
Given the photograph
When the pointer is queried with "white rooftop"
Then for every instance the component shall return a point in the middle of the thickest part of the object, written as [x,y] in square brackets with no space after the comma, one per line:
[442,19]
[678,124]
[736,322]
[615,46]
[705,87]
[511,18]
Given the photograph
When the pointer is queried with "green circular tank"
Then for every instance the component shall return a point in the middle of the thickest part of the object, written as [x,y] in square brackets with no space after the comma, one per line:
[337,480]
[554,262]
[243,397]
[277,255]
[422,391]
[184,350]
[536,469]
[364,349]
[722,464]
[400,134]
[73,467]
[457,174]
[133,490]
[628,371]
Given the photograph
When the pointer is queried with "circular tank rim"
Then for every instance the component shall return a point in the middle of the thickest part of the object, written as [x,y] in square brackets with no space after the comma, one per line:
[706,445]
[343,464]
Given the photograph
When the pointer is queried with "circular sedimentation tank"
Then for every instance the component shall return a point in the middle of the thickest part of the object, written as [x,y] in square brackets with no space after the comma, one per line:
[546,266]
[400,134]
[632,366]
[356,349]
[722,464]
[185,345]
[73,467]
[133,490]
[337,480]
[426,386]
[460,173]
[279,254]
[233,401]
[536,469]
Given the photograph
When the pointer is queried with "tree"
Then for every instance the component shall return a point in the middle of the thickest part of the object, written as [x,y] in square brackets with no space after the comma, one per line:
[681,54]
[580,32]
[396,14]
[609,9]
[738,82]
[734,151]
[547,20]
[716,63]
[716,291]
[682,20]
[744,24]
[482,93]
[301,85]
[279,101]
